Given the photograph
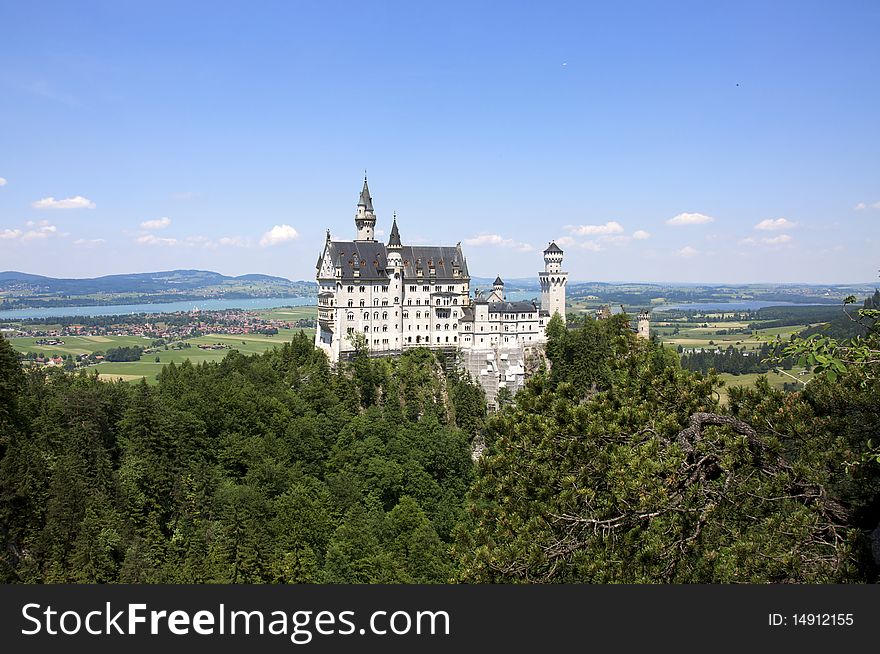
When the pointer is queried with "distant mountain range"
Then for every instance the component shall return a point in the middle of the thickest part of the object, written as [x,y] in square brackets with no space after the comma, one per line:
[20,290]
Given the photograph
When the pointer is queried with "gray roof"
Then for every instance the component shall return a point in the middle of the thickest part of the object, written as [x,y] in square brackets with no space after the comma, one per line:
[395,234]
[498,282]
[512,307]
[369,256]
[441,256]
[365,199]
[553,248]
[372,257]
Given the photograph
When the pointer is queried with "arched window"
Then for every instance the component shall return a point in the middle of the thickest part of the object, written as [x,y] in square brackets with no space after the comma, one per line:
[376,315]
[366,315]
[384,315]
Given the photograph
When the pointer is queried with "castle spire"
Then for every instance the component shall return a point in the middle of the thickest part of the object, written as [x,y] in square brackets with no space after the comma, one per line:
[394,239]
[365,200]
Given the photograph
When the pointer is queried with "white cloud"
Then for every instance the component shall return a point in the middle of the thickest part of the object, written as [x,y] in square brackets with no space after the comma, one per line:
[44,231]
[641,235]
[687,251]
[152,239]
[564,240]
[2,181]
[611,227]
[10,233]
[861,206]
[497,240]
[76,202]
[769,240]
[158,223]
[278,234]
[236,241]
[771,225]
[690,219]
[88,242]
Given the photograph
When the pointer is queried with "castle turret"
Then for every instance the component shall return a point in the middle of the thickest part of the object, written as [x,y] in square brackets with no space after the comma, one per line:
[553,281]
[365,219]
[395,248]
[644,325]
[497,294]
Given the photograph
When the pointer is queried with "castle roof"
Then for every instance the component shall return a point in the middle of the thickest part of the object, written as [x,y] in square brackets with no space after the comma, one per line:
[553,248]
[370,258]
[365,200]
[512,307]
[498,282]
[394,239]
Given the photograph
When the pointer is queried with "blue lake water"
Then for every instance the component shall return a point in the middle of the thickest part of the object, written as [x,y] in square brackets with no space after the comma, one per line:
[164,307]
[751,305]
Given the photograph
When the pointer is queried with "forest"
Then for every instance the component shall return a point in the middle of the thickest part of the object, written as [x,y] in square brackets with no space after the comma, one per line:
[613,465]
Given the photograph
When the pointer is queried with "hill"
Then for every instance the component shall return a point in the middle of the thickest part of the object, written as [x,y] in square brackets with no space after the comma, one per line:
[20,290]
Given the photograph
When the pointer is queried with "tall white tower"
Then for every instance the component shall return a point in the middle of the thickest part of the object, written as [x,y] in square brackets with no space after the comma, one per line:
[553,281]
[365,219]
[644,325]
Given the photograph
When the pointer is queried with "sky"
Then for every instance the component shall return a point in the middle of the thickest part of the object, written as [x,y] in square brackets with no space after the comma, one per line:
[723,142]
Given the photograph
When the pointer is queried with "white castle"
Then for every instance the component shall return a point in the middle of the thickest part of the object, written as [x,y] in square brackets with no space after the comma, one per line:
[393,297]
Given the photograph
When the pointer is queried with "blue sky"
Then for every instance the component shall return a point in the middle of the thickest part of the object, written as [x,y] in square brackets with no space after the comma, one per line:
[656,141]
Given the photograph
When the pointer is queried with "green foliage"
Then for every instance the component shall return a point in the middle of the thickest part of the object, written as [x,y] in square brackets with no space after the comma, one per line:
[261,469]
[624,470]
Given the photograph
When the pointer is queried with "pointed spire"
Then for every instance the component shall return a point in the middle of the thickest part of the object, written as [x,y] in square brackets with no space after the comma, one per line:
[394,239]
[498,281]
[365,200]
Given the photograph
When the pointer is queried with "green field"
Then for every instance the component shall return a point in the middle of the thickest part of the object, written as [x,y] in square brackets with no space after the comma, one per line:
[147,366]
[776,380]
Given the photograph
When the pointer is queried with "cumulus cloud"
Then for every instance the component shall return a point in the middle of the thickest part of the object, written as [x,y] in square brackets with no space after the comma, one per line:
[611,227]
[2,181]
[641,235]
[771,225]
[158,223]
[236,241]
[152,239]
[564,240]
[88,242]
[76,202]
[687,251]
[34,232]
[496,240]
[278,234]
[10,233]
[690,219]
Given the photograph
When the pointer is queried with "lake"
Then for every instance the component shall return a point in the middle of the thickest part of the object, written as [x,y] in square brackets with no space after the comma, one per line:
[219,304]
[750,305]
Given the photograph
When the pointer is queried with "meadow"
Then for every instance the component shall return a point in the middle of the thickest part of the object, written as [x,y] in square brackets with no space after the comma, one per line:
[148,366]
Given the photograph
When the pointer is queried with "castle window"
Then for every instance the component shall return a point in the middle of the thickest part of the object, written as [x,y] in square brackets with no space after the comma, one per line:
[366,328]
[438,302]
[446,326]
[455,300]
[350,316]
[384,328]
[351,289]
[396,300]
[351,330]
[455,314]
[418,302]
[409,303]
[384,341]
[426,288]
[438,326]
[455,339]
[384,303]
[362,303]
[376,315]
[438,339]
[384,315]
[450,288]
[418,314]
[406,314]
[384,289]
[363,289]
[351,303]
[447,339]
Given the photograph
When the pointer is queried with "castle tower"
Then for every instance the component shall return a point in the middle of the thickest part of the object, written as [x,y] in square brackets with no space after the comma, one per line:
[395,260]
[365,219]
[553,281]
[497,294]
[644,325]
